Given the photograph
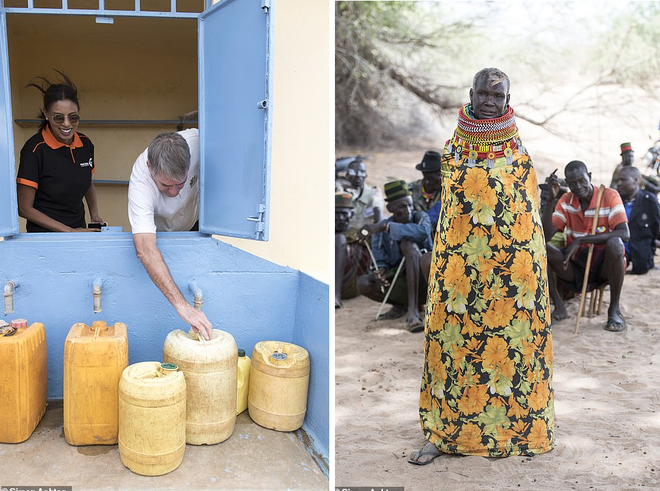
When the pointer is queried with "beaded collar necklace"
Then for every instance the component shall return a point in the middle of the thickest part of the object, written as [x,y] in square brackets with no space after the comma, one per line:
[487,139]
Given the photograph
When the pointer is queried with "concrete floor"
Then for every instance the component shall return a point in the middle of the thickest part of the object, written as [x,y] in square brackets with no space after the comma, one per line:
[254,458]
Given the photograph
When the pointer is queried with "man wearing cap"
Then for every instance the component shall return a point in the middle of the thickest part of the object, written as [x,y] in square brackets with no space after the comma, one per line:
[351,259]
[426,191]
[649,183]
[406,234]
[367,200]
[627,158]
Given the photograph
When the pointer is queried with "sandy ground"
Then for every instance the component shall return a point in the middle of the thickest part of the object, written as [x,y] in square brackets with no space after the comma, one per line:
[607,393]
[607,405]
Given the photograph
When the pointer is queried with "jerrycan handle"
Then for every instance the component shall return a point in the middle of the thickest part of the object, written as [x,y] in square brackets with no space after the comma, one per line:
[97,326]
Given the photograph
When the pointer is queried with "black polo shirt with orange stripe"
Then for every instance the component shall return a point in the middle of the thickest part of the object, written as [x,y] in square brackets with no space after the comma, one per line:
[61,175]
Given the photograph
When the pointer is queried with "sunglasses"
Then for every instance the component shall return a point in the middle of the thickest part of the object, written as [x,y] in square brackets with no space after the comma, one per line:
[358,173]
[59,118]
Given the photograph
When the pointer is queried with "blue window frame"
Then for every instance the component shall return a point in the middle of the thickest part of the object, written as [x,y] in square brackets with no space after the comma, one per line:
[8,207]
[235,116]
[235,62]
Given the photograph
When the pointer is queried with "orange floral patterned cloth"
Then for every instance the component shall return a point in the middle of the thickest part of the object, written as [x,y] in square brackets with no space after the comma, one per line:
[487,381]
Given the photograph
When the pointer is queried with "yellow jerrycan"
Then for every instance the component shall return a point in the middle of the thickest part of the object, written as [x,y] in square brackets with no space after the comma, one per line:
[243,381]
[94,358]
[210,371]
[23,379]
[152,418]
[279,381]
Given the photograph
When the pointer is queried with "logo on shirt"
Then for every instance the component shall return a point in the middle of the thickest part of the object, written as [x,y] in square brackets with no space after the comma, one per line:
[193,181]
[87,164]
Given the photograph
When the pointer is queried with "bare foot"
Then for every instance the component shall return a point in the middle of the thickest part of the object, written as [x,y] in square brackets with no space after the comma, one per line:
[426,455]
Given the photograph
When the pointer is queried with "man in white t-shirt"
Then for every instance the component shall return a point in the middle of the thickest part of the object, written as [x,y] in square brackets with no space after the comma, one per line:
[163,196]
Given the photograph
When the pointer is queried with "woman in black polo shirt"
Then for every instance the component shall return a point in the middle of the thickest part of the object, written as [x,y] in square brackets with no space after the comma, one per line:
[56,166]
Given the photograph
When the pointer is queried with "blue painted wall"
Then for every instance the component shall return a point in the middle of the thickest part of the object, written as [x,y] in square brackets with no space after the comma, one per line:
[312,330]
[247,296]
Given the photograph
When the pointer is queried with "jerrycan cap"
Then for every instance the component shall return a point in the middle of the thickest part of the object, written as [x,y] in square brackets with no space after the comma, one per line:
[17,323]
[241,353]
[168,367]
[278,355]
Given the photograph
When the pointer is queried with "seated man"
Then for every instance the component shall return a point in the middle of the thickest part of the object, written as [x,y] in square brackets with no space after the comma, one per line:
[351,258]
[643,214]
[367,200]
[406,234]
[427,190]
[574,212]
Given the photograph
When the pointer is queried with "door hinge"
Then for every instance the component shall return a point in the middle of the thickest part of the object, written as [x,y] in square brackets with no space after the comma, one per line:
[265,5]
[259,219]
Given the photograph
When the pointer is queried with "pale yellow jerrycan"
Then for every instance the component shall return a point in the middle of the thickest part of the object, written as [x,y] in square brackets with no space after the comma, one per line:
[152,418]
[243,381]
[23,379]
[94,358]
[279,381]
[209,367]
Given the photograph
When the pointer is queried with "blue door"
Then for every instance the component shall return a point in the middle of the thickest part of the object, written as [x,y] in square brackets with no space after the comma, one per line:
[235,65]
[8,208]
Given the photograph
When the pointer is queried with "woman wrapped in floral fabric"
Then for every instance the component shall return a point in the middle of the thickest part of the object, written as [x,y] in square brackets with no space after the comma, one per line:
[487,380]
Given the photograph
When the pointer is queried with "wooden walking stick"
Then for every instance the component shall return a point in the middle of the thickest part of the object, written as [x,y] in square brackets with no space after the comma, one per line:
[587,266]
[387,295]
[373,258]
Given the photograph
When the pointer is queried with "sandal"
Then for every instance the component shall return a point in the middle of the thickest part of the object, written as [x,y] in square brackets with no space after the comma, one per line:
[429,450]
[395,312]
[616,325]
[415,326]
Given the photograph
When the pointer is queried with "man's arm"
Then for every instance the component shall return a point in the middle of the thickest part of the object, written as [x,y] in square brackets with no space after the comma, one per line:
[377,246]
[418,231]
[152,260]
[549,230]
[654,211]
[621,231]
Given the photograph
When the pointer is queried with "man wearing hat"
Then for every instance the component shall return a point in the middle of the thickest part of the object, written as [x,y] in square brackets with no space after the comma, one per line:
[406,234]
[351,259]
[649,183]
[627,158]
[426,191]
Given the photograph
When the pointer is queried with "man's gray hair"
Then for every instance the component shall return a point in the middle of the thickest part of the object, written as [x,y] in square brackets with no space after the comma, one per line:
[169,155]
[494,74]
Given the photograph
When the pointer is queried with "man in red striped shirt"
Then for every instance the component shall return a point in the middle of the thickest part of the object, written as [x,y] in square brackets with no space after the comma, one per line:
[573,214]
